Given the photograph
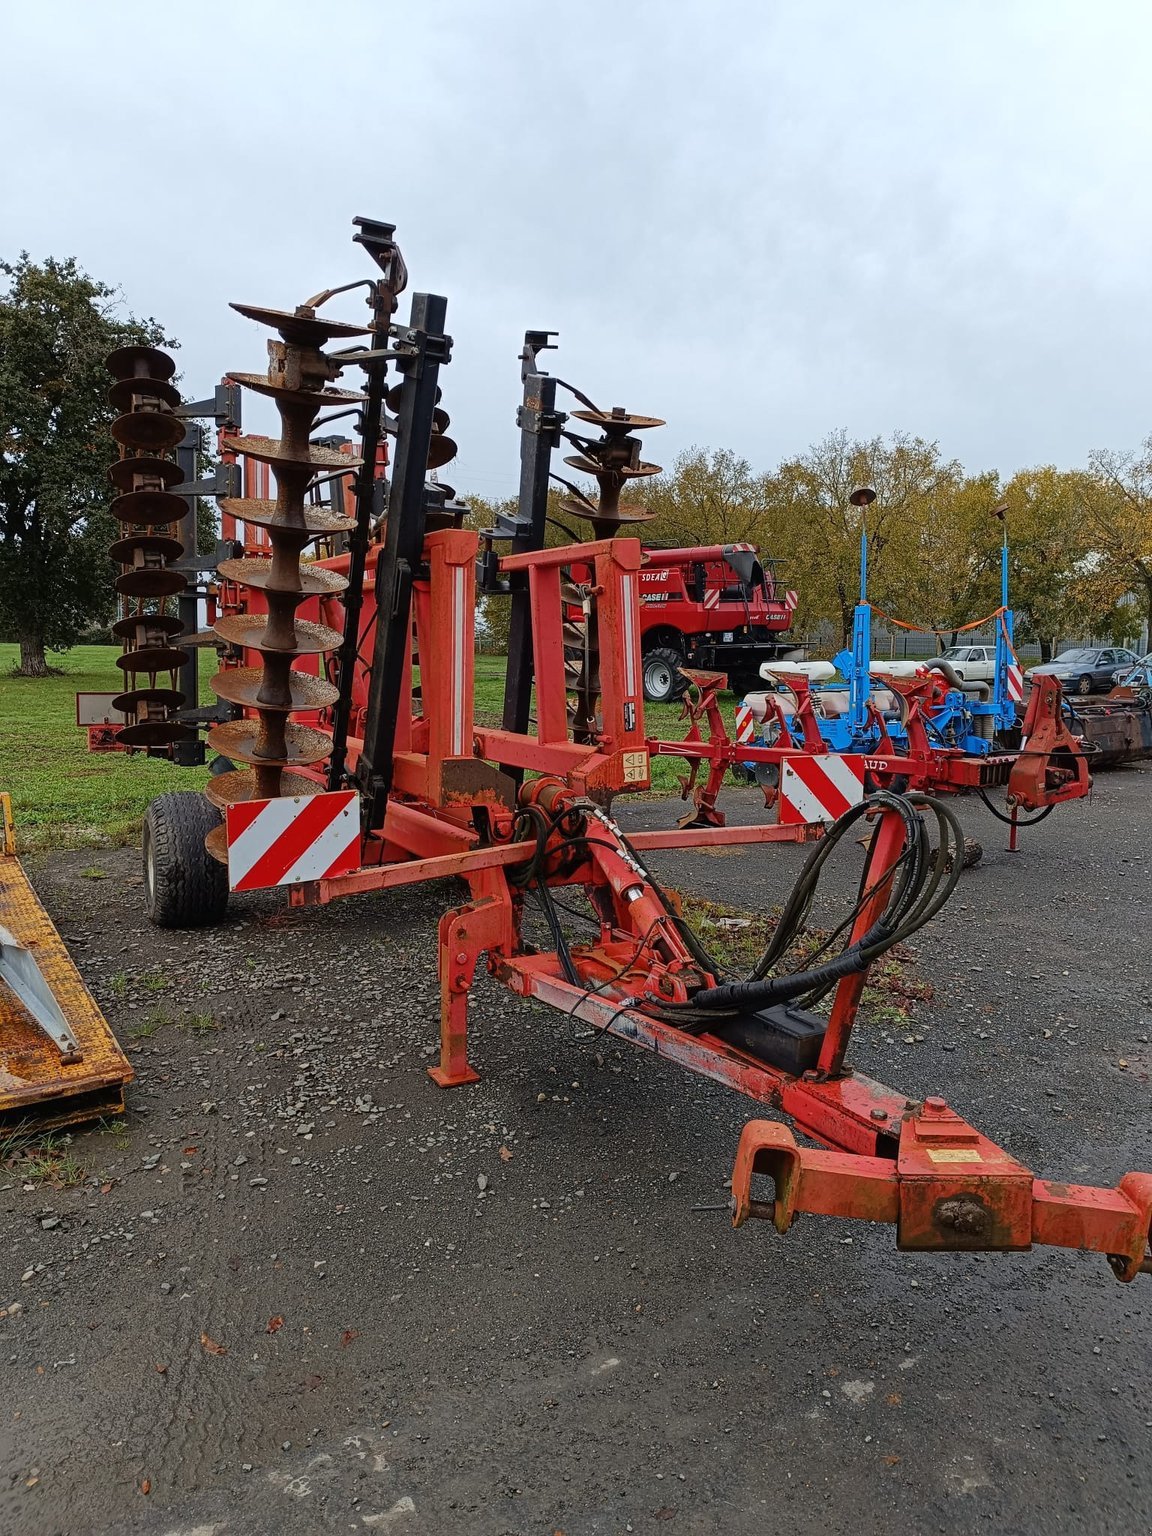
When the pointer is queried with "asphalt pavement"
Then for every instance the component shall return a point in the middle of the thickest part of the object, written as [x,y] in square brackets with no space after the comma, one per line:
[303,1290]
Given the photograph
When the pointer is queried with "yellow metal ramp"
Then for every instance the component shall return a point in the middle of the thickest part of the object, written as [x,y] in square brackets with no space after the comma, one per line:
[59,1061]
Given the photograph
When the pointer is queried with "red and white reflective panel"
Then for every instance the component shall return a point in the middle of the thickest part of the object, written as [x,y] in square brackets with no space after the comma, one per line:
[297,837]
[790,600]
[1015,683]
[819,787]
[712,597]
[745,724]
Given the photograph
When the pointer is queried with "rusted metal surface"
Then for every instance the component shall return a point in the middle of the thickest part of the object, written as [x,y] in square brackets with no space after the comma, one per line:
[149,514]
[948,1188]
[43,1080]
[265,738]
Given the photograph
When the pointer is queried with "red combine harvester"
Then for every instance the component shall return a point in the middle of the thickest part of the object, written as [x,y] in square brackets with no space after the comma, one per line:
[353,762]
[716,608]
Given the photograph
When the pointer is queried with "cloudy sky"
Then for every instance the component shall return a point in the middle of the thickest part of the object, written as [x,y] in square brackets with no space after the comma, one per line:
[757,220]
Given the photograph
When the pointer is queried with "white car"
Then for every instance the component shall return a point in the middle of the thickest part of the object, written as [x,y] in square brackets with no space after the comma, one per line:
[971,663]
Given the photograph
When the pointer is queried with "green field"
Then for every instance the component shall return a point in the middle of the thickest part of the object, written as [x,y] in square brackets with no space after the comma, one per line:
[64,796]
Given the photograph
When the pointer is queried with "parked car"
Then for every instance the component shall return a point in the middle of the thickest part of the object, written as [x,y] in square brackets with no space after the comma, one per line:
[972,663]
[1086,669]
[1136,675]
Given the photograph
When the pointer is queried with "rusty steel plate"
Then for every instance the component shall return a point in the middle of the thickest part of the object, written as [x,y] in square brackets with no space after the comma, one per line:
[124,472]
[34,1082]
[247,630]
[154,733]
[167,548]
[625,471]
[128,703]
[154,430]
[242,685]
[152,659]
[224,789]
[320,399]
[149,509]
[265,514]
[621,514]
[161,623]
[150,581]
[440,450]
[270,450]
[310,329]
[237,739]
[124,391]
[254,571]
[393,397]
[621,420]
[139,362]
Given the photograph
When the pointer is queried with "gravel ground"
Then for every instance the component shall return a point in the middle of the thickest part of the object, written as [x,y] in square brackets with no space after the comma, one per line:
[303,1290]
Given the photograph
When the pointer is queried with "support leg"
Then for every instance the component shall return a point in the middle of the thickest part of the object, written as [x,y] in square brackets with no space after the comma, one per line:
[464,936]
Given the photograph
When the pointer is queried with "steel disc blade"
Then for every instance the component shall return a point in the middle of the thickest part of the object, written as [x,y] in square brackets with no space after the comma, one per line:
[150,581]
[622,420]
[225,789]
[125,472]
[155,431]
[396,393]
[139,361]
[625,471]
[147,543]
[270,450]
[248,629]
[308,329]
[252,571]
[154,733]
[159,623]
[318,521]
[440,450]
[124,391]
[149,509]
[238,740]
[152,659]
[242,685]
[319,399]
[128,703]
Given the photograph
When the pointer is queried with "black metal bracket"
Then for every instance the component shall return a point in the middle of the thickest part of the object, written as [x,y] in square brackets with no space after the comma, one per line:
[222,406]
[404,540]
[541,426]
[225,480]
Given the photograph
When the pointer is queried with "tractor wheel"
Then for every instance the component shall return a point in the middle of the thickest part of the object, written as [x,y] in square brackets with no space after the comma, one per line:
[184,886]
[662,678]
[1084,684]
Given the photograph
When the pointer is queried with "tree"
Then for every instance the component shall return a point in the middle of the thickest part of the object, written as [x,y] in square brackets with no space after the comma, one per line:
[1116,498]
[1046,553]
[819,529]
[57,325]
[710,496]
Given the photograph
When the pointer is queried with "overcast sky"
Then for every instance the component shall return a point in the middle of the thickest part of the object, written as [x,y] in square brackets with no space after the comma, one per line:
[760,221]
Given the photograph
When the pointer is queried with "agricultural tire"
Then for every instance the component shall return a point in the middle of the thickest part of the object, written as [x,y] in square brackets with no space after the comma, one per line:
[184,886]
[663,681]
[1084,684]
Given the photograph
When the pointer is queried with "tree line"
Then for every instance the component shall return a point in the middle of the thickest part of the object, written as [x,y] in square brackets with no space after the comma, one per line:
[1080,539]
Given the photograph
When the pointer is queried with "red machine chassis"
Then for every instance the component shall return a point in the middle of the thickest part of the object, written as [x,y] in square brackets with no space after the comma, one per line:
[881,1157]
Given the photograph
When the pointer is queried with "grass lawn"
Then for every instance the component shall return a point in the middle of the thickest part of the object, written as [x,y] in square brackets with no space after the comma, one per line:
[64,796]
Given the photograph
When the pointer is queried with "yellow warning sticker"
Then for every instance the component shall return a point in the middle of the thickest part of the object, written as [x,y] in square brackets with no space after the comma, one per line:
[954,1155]
[635,767]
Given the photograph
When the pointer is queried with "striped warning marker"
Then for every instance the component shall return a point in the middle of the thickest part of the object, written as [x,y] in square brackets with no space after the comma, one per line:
[819,786]
[712,597]
[745,724]
[294,838]
[1015,682]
